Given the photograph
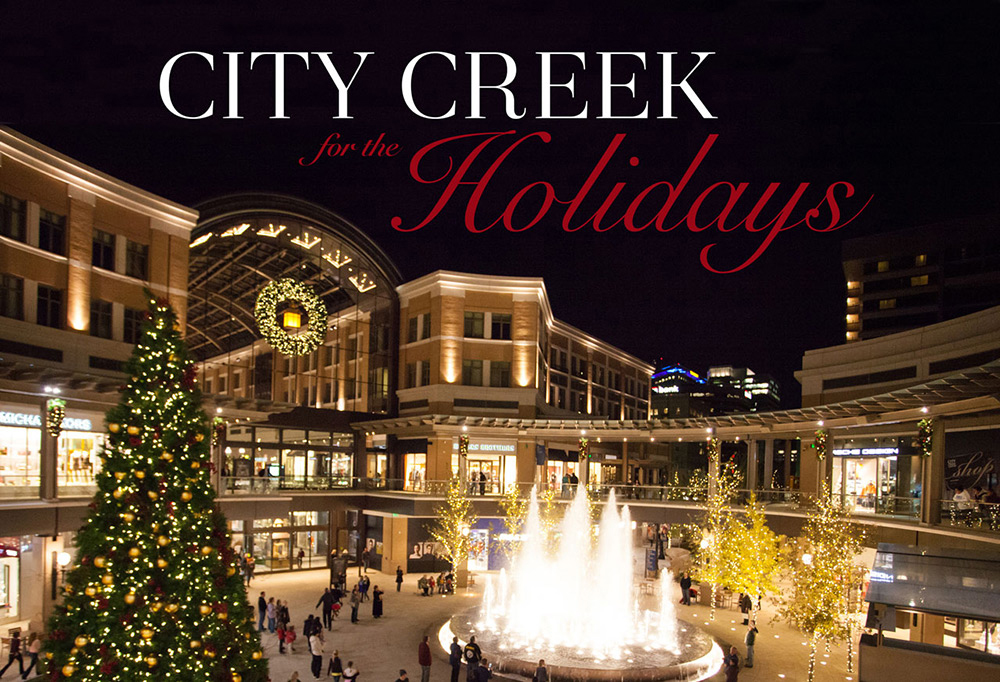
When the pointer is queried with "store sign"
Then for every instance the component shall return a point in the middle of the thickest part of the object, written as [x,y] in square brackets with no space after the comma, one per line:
[666,389]
[7,552]
[34,421]
[487,447]
[972,458]
[865,452]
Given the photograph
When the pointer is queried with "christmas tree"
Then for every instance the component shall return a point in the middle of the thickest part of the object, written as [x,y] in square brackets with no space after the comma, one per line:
[451,528]
[155,594]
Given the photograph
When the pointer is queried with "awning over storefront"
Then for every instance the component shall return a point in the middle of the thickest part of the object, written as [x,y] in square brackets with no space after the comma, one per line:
[949,582]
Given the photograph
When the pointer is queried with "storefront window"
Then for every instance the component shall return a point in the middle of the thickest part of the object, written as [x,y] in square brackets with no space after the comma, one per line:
[79,461]
[19,459]
[10,564]
[877,476]
[979,635]
[415,471]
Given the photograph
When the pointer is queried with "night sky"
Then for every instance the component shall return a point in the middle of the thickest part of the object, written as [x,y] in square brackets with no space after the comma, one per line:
[901,102]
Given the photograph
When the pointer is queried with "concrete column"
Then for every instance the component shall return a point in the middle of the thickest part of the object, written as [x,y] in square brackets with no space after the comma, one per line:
[768,462]
[713,471]
[752,464]
[933,477]
[48,461]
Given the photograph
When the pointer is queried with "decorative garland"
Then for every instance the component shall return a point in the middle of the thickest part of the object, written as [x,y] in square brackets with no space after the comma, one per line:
[463,445]
[925,431]
[584,449]
[714,449]
[218,428]
[266,312]
[55,412]
[819,444]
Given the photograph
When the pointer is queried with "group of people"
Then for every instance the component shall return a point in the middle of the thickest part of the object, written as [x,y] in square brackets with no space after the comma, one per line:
[478,482]
[977,498]
[278,621]
[15,654]
[445,583]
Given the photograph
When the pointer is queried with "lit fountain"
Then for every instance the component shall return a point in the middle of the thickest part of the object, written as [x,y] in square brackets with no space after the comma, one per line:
[579,609]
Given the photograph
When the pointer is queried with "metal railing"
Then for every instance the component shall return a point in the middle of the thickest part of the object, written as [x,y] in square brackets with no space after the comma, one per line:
[975,515]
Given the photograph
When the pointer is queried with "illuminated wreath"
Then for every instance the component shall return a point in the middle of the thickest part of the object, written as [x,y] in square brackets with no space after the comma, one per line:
[266,312]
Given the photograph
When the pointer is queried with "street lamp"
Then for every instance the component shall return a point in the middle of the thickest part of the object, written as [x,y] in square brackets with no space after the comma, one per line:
[60,560]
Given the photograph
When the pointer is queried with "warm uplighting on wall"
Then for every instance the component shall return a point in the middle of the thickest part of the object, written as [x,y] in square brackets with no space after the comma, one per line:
[450,364]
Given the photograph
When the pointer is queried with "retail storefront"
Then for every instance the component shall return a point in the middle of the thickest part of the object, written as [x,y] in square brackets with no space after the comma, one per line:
[77,451]
[296,458]
[877,475]
[276,543]
[490,467]
[10,576]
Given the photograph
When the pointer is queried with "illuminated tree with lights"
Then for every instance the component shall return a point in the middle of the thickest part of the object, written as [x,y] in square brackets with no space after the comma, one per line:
[514,508]
[155,594]
[715,536]
[451,527]
[754,555]
[821,571]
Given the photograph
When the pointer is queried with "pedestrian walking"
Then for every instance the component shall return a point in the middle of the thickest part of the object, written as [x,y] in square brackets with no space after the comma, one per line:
[350,672]
[366,559]
[316,649]
[399,578]
[455,659]
[472,655]
[281,638]
[749,640]
[363,586]
[402,676]
[34,649]
[336,668]
[307,628]
[686,589]
[294,677]
[14,654]
[301,557]
[271,613]
[355,604]
[732,662]
[326,601]
[377,602]
[424,659]
[261,612]
[541,672]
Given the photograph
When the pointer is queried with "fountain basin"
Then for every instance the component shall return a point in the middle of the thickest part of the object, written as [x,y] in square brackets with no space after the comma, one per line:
[698,656]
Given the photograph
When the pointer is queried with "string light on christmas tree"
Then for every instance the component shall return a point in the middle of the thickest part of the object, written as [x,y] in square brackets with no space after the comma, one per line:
[131,605]
[453,524]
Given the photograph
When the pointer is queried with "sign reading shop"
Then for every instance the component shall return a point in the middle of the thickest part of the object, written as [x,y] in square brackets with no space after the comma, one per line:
[972,458]
[33,420]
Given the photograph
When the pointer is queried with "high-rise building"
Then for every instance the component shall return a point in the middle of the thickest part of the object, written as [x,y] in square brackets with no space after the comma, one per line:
[912,278]
[760,389]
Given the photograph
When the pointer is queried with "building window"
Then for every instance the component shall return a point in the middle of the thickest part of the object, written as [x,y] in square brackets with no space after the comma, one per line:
[222,383]
[237,380]
[52,232]
[12,217]
[919,281]
[474,325]
[887,304]
[883,266]
[501,326]
[50,302]
[103,254]
[100,319]
[411,334]
[12,297]
[136,260]
[208,385]
[472,372]
[425,326]
[920,260]
[411,374]
[425,373]
[381,381]
[133,325]
[500,374]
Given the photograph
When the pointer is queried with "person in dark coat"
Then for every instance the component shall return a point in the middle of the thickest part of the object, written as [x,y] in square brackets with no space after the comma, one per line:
[261,611]
[483,672]
[455,659]
[377,602]
[424,659]
[732,662]
[307,628]
[472,654]
[336,669]
[399,578]
[686,589]
[326,600]
[14,654]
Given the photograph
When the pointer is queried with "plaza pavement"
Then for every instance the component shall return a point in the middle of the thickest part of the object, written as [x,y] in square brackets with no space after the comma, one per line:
[379,648]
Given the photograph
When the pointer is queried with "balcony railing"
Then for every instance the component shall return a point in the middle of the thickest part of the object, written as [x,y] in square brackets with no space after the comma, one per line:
[975,515]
